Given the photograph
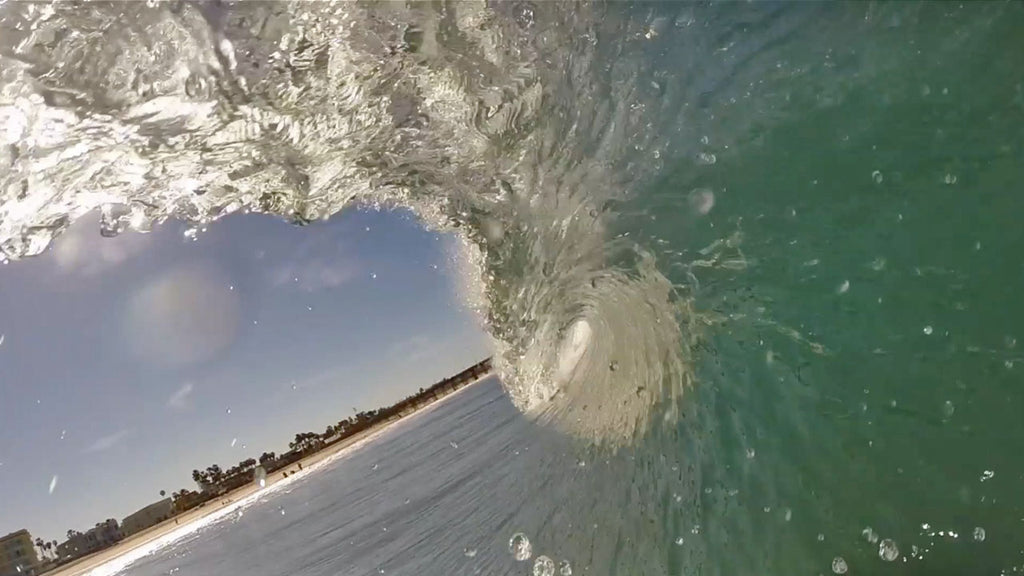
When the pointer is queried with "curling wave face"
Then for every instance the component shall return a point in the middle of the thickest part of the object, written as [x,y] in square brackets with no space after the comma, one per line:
[503,123]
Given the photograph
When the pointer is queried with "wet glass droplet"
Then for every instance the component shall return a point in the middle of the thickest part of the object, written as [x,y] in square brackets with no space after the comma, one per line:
[839,565]
[519,546]
[543,566]
[887,550]
[564,568]
[979,534]
[877,177]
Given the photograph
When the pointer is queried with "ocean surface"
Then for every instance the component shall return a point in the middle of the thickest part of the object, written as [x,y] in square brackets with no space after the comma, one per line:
[442,493]
[752,270]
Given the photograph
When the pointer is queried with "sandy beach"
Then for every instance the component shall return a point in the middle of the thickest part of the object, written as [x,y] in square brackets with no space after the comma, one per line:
[113,559]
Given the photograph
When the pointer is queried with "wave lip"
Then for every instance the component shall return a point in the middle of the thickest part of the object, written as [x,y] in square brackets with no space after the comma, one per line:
[472,116]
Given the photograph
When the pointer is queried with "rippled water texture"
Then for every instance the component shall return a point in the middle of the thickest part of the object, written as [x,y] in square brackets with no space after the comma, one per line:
[768,254]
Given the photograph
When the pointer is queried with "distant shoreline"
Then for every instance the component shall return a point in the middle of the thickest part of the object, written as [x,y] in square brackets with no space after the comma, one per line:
[294,471]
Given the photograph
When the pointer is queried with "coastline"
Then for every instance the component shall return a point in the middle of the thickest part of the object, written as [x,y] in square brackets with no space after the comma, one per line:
[127,551]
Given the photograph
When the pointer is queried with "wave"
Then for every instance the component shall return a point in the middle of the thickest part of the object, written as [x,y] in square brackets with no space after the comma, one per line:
[501,124]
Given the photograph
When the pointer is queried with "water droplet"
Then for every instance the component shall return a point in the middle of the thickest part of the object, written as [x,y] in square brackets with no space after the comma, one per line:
[227,411]
[282,511]
[614,365]
[987,475]
[789,514]
[706,158]
[543,566]
[679,541]
[53,483]
[877,177]
[751,453]
[927,330]
[702,200]
[695,529]
[233,442]
[453,444]
[564,568]
[887,550]
[844,287]
[839,565]
[979,534]
[950,179]
[373,275]
[469,552]
[519,546]
[374,467]
[821,537]
[948,409]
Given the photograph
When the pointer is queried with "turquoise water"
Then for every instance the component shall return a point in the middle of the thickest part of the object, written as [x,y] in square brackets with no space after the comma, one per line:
[762,258]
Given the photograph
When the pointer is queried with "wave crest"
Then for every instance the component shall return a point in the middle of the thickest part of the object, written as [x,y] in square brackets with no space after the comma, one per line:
[474,117]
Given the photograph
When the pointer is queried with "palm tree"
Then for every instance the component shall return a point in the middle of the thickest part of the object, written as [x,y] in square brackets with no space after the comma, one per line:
[214,473]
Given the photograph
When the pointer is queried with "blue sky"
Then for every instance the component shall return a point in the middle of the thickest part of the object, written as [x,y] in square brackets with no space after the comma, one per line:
[128,362]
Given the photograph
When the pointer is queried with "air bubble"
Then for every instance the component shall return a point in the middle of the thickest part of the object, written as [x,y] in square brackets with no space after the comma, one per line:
[519,546]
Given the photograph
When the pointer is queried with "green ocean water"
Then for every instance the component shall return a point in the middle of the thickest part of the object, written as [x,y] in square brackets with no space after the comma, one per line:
[860,371]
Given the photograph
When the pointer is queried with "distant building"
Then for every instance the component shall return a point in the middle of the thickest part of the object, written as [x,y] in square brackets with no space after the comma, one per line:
[103,535]
[151,515]
[17,554]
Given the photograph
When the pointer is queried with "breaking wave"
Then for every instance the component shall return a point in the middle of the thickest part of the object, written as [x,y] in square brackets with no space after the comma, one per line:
[519,126]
